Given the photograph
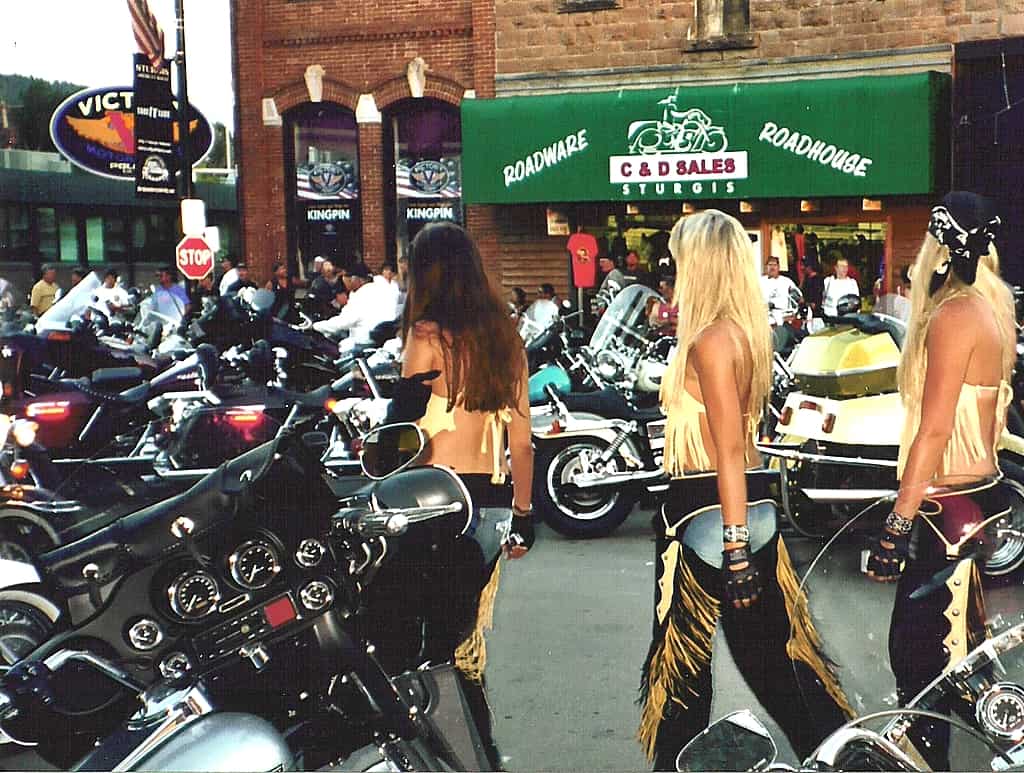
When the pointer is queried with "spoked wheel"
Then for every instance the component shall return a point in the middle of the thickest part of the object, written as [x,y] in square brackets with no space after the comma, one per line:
[576,512]
[1006,535]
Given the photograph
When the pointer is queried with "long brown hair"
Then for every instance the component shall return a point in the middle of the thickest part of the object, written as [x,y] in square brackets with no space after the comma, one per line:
[483,353]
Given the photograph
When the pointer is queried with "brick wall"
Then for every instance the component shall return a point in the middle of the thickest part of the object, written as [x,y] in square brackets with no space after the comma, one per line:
[364,47]
[533,37]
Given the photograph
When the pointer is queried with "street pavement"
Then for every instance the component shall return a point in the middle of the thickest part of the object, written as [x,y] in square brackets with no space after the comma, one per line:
[573,624]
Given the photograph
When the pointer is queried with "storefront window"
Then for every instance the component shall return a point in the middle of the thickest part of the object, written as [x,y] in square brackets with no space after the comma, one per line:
[861,244]
[424,144]
[19,231]
[115,239]
[46,219]
[94,238]
[322,150]
[68,239]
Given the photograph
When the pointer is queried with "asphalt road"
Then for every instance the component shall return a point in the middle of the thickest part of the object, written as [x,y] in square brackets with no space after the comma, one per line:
[573,623]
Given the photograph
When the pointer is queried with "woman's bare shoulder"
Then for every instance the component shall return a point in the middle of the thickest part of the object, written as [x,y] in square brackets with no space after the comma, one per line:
[719,339]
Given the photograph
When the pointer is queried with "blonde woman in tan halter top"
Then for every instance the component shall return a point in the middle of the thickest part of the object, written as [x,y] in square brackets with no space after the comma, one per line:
[954,380]
[719,557]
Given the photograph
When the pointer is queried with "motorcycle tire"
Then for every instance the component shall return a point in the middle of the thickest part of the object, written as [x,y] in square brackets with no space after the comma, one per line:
[22,629]
[21,540]
[1007,555]
[573,512]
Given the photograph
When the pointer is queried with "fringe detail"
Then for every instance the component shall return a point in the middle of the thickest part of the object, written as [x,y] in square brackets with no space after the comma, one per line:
[471,655]
[683,650]
[804,642]
[684,446]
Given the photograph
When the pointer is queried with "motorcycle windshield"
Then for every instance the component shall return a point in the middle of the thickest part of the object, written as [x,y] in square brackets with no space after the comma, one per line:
[74,302]
[625,321]
[535,321]
[872,646]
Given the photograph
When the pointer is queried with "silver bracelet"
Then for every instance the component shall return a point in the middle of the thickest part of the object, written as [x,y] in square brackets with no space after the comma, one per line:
[898,524]
[735,533]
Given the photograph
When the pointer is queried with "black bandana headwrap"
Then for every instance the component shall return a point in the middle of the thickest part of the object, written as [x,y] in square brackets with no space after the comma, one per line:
[962,224]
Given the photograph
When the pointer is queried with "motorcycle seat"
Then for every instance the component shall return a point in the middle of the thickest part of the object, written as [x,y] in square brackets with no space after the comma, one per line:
[611,405]
[308,400]
[107,376]
[130,396]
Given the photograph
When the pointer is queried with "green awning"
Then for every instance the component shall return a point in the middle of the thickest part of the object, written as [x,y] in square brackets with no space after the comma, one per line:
[867,136]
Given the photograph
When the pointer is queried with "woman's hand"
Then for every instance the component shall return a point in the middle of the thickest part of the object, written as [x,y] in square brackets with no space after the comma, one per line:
[888,556]
[521,536]
[741,579]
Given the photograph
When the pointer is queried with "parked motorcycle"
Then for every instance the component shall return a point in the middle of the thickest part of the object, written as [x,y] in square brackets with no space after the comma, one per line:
[231,614]
[839,429]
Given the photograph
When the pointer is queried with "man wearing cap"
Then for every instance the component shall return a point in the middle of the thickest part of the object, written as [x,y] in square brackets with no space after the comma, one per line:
[45,292]
[368,305]
[169,297]
[227,265]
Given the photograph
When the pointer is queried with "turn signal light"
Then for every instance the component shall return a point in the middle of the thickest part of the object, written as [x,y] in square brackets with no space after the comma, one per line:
[58,335]
[330,405]
[829,424]
[786,416]
[49,410]
[20,470]
[556,427]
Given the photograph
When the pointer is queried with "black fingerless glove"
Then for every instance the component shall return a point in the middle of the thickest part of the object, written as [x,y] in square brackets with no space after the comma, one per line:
[521,533]
[888,555]
[743,584]
[410,398]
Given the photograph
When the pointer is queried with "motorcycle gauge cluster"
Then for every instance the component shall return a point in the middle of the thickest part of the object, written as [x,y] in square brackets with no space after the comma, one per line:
[1001,710]
[193,594]
[254,565]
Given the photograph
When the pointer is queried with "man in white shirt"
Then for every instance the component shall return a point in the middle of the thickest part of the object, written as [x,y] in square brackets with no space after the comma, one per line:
[110,298]
[838,287]
[776,290]
[369,304]
[227,265]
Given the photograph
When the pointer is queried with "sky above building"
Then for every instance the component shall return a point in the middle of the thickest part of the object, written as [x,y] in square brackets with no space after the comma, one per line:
[91,43]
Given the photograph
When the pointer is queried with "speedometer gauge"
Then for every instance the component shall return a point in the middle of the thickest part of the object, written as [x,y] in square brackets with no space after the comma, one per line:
[254,565]
[193,594]
[1001,710]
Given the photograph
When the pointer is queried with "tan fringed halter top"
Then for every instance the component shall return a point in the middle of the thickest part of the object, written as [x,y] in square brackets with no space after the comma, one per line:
[967,445]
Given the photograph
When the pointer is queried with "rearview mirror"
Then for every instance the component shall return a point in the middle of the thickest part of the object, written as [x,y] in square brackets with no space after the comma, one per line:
[738,741]
[389,449]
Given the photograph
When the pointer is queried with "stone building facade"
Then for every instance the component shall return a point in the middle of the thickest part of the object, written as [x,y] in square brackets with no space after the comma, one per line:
[485,55]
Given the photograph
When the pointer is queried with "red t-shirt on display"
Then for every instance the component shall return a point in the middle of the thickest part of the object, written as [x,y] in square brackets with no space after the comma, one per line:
[583,250]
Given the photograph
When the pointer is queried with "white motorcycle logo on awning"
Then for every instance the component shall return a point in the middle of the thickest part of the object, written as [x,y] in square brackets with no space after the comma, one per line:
[678,131]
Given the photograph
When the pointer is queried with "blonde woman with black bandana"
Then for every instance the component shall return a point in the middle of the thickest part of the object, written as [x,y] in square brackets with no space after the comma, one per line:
[719,557]
[955,384]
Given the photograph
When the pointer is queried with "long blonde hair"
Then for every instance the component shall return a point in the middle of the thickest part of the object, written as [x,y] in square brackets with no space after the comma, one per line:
[716,280]
[923,305]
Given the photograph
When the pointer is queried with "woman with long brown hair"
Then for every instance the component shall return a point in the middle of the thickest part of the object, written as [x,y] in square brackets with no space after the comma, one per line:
[954,381]
[464,381]
[718,553]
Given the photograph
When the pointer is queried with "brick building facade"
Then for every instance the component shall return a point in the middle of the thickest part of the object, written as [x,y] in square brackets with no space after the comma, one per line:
[523,49]
[364,48]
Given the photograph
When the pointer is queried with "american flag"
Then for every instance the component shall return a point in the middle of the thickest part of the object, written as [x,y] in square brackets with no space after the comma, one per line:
[148,34]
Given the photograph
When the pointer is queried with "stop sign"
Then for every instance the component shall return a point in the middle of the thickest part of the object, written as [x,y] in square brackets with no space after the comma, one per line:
[194,257]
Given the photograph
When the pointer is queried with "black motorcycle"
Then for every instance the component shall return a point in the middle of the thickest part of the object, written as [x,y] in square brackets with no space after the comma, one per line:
[235,614]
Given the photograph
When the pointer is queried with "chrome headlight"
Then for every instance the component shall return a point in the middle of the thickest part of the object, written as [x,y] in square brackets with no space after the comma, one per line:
[609,365]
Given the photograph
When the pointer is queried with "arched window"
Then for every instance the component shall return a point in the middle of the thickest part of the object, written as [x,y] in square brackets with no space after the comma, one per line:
[322,156]
[423,162]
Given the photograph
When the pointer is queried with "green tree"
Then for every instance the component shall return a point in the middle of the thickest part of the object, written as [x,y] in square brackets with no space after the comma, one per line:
[32,118]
